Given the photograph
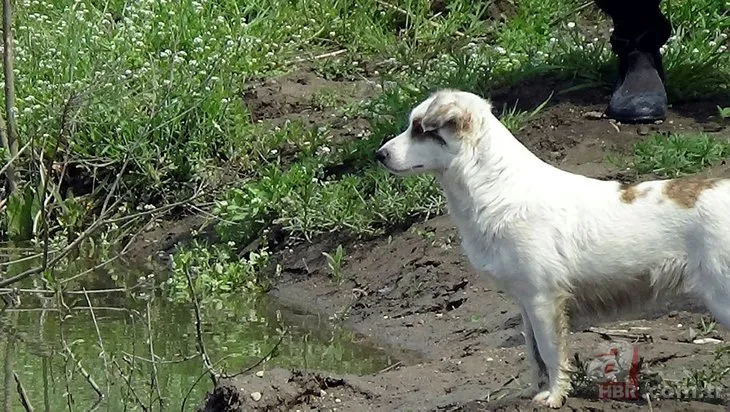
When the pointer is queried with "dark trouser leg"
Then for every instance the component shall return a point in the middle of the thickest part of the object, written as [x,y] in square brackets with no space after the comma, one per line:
[640,29]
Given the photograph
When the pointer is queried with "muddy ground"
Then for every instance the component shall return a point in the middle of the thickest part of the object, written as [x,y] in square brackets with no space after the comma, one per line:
[460,338]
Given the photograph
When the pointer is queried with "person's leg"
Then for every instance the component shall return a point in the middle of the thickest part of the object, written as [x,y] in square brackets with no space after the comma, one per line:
[640,29]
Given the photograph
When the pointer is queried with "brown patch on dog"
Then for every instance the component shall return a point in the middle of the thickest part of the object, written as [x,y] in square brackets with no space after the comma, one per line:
[685,191]
[440,115]
[629,193]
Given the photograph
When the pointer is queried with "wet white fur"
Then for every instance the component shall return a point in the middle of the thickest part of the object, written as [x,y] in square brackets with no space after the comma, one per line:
[554,239]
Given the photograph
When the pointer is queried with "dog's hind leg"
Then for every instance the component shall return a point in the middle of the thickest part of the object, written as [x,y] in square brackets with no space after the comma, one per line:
[717,300]
[539,375]
[549,319]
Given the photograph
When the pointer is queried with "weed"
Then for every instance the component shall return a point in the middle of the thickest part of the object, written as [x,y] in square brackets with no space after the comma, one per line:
[724,112]
[709,381]
[216,273]
[515,120]
[677,155]
[334,263]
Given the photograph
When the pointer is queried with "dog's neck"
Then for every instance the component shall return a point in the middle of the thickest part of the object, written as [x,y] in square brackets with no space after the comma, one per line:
[495,171]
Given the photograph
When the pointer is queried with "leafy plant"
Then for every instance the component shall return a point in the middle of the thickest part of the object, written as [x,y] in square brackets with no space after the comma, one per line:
[334,263]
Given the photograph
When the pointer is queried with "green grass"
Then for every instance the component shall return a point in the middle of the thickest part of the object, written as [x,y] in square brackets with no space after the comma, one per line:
[678,155]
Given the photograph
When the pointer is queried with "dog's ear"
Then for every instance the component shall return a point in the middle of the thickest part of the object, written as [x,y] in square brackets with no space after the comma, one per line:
[442,114]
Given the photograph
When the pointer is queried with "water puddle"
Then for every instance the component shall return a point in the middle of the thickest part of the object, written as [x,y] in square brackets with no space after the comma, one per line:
[63,363]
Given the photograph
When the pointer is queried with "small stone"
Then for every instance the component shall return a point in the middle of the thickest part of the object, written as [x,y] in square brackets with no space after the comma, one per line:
[703,341]
[643,130]
[256,396]
[712,127]
[673,314]
[593,115]
[490,359]
[322,393]
[421,321]
[260,374]
[663,337]
[679,325]
[338,400]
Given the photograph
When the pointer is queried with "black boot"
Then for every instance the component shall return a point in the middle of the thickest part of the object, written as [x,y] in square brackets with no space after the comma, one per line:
[639,96]
[640,29]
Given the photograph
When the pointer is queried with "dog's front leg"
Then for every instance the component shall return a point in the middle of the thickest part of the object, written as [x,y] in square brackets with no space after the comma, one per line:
[549,321]
[538,371]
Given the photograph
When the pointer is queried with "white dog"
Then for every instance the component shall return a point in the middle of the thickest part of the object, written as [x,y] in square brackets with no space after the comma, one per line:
[558,241]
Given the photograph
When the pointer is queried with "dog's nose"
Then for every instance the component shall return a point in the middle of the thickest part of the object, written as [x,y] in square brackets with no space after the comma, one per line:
[381,155]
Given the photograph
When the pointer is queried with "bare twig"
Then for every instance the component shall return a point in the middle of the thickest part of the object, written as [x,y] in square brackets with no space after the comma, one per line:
[160,361]
[261,359]
[101,341]
[83,371]
[9,134]
[129,385]
[609,334]
[199,330]
[21,393]
[83,236]
[410,15]
[155,380]
[575,10]
[9,356]
[14,158]
[190,390]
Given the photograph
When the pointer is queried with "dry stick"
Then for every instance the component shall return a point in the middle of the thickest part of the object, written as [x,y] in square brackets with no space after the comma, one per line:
[83,371]
[9,77]
[9,352]
[161,361]
[45,178]
[123,252]
[101,341]
[575,10]
[261,359]
[14,158]
[84,235]
[155,379]
[129,385]
[410,15]
[190,390]
[248,369]
[68,292]
[21,393]
[9,136]
[199,331]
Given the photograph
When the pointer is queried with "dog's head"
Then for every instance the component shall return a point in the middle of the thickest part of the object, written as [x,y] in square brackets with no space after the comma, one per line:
[440,129]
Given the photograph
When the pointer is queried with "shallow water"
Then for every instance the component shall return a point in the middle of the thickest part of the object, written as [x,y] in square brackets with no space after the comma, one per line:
[39,343]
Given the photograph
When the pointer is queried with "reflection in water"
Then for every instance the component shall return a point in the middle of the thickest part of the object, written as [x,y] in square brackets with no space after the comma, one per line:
[55,353]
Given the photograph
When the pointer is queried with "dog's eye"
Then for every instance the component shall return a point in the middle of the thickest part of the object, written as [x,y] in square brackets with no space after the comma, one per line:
[435,136]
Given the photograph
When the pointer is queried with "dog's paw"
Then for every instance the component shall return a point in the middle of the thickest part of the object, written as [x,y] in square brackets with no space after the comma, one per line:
[551,400]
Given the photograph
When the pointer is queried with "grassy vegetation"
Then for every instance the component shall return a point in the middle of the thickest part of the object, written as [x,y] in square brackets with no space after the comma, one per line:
[128,110]
[678,155]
